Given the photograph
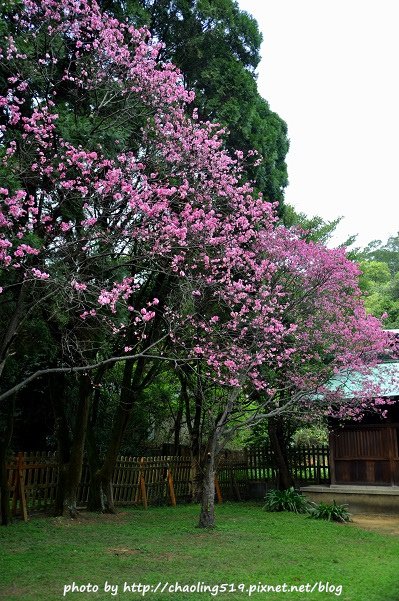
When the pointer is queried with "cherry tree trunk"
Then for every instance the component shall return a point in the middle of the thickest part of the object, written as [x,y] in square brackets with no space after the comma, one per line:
[196,468]
[207,513]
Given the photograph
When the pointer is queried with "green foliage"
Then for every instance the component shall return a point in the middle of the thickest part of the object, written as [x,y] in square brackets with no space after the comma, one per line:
[292,500]
[385,253]
[151,422]
[379,281]
[330,511]
[317,230]
[310,435]
[286,500]
[375,274]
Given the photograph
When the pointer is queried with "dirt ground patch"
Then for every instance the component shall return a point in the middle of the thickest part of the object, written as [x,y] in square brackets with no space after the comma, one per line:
[385,524]
[14,591]
[124,551]
[88,518]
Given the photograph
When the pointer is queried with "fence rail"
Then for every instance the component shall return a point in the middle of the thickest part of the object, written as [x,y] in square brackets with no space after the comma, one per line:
[247,474]
[161,479]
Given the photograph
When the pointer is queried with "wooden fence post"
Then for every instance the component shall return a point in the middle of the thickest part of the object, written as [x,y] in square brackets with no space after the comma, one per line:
[218,491]
[171,488]
[143,491]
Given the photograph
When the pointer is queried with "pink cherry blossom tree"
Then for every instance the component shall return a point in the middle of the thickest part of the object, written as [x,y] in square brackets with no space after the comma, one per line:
[282,318]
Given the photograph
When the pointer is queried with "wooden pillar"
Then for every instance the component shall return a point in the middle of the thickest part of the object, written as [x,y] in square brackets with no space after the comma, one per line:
[331,445]
[392,454]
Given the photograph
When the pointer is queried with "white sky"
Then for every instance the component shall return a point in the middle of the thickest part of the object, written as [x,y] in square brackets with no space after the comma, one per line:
[330,69]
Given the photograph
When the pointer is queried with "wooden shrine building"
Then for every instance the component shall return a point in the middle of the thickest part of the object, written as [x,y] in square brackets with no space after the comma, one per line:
[366,452]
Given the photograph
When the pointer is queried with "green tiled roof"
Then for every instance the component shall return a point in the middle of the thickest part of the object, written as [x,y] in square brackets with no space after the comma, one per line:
[384,375]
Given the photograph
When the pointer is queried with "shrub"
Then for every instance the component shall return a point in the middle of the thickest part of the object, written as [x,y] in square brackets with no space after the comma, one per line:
[311,435]
[330,511]
[286,500]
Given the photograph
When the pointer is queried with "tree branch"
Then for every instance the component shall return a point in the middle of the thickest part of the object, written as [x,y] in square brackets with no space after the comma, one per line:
[83,368]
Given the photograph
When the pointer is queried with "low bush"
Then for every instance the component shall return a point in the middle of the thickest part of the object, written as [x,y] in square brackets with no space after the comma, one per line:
[286,500]
[330,511]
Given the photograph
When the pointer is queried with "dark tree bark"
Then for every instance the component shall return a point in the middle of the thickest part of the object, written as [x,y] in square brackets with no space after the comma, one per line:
[94,499]
[194,426]
[71,448]
[216,441]
[207,513]
[12,326]
[75,465]
[57,390]
[5,441]
[134,382]
[279,449]
[177,426]
[102,495]
[196,448]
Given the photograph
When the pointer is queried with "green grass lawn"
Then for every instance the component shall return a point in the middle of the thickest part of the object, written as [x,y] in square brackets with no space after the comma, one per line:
[249,546]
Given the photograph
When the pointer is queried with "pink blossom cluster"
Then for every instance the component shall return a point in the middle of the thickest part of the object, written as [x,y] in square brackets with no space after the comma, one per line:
[255,302]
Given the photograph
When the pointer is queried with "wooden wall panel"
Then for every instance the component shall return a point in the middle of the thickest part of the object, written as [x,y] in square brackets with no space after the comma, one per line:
[363,471]
[370,442]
